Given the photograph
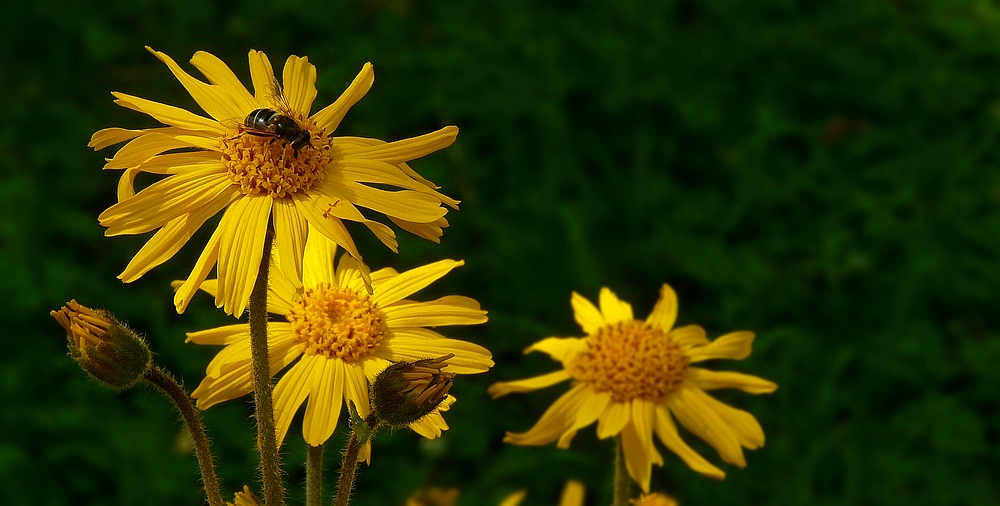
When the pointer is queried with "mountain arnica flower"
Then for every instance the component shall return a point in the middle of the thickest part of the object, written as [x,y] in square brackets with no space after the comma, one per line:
[337,338]
[633,377]
[261,160]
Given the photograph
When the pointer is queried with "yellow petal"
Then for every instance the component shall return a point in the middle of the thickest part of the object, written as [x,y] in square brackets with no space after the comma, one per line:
[412,281]
[165,200]
[219,73]
[735,345]
[170,115]
[469,358]
[503,388]
[430,231]
[110,136]
[176,163]
[514,499]
[559,348]
[213,99]
[448,310]
[700,419]
[168,240]
[614,309]
[319,261]
[691,335]
[588,316]
[711,380]
[281,293]
[637,457]
[236,379]
[591,407]
[664,313]
[262,76]
[614,419]
[406,149]
[667,432]
[572,495]
[374,171]
[316,208]
[241,247]
[290,231]
[202,267]
[326,397]
[356,388]
[227,334]
[748,430]
[373,366]
[299,79]
[292,390]
[408,205]
[330,116]
[349,274]
[555,421]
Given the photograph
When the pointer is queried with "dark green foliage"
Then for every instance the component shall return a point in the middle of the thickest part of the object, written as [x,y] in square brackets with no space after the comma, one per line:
[823,173]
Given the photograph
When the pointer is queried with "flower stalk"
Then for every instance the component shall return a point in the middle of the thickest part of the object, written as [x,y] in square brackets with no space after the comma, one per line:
[361,432]
[623,483]
[267,446]
[314,475]
[162,380]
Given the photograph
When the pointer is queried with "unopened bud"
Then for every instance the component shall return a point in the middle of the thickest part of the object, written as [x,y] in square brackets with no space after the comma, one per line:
[106,349]
[407,391]
[244,498]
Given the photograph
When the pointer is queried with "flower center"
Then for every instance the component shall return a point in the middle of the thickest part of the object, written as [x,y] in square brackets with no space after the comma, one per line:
[631,360]
[337,323]
[263,163]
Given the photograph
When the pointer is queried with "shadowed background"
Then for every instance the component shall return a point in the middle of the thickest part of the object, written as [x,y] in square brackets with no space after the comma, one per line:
[824,176]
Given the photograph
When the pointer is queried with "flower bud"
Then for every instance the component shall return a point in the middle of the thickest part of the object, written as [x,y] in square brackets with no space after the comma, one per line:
[244,498]
[407,391]
[106,349]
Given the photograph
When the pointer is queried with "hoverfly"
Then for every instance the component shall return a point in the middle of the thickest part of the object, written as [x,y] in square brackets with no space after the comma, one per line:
[266,122]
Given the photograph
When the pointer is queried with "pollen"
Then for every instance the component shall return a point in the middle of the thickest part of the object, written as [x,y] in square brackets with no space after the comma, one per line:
[337,323]
[631,360]
[264,164]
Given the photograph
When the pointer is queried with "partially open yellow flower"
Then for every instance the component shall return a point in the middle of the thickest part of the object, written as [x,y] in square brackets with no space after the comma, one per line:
[305,185]
[630,375]
[572,496]
[337,338]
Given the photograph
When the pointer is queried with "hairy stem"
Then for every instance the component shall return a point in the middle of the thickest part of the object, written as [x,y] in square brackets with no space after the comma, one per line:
[623,482]
[350,464]
[314,475]
[161,379]
[270,462]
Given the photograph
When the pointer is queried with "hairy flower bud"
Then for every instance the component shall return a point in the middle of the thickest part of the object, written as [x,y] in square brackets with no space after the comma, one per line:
[106,349]
[407,391]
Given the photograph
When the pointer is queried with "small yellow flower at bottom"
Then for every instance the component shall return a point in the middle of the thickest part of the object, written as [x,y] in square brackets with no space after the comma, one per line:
[654,500]
[572,496]
[244,498]
[337,338]
[631,375]
[434,496]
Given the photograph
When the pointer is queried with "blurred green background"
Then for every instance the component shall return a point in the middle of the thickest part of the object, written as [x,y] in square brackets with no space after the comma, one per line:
[825,175]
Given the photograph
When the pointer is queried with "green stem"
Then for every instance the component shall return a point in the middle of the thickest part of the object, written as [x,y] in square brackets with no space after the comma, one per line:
[270,462]
[623,482]
[350,464]
[161,379]
[314,475]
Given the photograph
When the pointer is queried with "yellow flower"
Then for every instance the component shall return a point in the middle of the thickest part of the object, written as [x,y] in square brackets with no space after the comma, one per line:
[572,496]
[254,178]
[630,375]
[337,339]
[244,498]
[654,500]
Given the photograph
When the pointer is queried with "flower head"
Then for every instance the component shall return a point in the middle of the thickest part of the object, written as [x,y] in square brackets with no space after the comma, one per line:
[631,375]
[244,498]
[337,338]
[105,348]
[408,391]
[261,159]
[572,495]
